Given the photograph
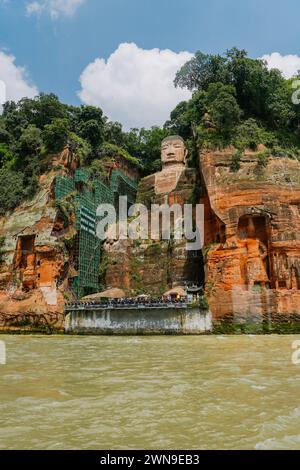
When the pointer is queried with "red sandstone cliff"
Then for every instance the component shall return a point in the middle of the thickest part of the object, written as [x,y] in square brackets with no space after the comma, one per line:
[251,249]
[252,239]
[40,249]
[33,259]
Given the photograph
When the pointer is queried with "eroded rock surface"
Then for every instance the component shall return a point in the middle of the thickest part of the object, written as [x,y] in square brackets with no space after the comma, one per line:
[49,251]
[252,239]
[33,261]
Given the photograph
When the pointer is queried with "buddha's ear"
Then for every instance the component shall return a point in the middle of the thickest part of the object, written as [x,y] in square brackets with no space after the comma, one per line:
[186,152]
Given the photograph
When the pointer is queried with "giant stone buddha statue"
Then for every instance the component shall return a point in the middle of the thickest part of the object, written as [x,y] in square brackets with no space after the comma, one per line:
[152,265]
[173,158]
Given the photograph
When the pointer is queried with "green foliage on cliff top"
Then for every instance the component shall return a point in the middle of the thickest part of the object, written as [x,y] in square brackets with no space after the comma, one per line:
[236,100]
[113,150]
[33,128]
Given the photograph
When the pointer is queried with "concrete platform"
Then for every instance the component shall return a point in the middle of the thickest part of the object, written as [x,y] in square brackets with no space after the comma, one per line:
[138,321]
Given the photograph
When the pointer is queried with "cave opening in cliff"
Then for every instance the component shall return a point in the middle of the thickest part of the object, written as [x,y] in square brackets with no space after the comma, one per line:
[254,226]
[25,251]
[255,230]
[25,261]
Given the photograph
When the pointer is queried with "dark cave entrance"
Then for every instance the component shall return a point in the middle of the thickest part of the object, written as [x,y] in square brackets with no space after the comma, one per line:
[254,226]
[25,247]
[257,227]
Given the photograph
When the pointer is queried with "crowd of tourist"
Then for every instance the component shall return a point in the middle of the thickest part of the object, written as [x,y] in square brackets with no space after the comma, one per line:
[141,301]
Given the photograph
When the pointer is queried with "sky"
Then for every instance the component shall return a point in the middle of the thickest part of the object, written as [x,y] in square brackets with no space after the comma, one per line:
[122,55]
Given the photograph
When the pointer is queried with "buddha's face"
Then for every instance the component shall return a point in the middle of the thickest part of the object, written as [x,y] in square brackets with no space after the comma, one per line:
[173,151]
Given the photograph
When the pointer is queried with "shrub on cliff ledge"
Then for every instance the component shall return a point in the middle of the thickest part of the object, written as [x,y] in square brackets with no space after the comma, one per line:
[236,158]
[262,161]
[112,150]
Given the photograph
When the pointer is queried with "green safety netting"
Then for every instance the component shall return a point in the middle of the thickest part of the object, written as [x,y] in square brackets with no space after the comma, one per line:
[88,194]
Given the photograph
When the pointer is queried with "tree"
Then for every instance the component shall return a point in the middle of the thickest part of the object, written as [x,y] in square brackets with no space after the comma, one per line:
[41,110]
[145,145]
[249,134]
[223,107]
[79,117]
[14,123]
[90,113]
[5,155]
[202,70]
[113,133]
[55,135]
[236,99]
[93,132]
[187,114]
[80,146]
[30,141]
[11,193]
[252,80]
[281,111]
[4,134]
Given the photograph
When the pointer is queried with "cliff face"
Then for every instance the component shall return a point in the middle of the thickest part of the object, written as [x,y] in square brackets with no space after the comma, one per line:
[250,262]
[154,266]
[49,252]
[252,239]
[33,259]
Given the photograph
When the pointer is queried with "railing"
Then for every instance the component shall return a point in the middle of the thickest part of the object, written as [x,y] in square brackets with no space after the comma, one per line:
[94,305]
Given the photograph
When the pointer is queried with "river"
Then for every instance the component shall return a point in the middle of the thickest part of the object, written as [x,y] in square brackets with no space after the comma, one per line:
[207,392]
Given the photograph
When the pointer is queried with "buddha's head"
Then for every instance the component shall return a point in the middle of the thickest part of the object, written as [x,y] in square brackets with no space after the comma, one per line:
[173,151]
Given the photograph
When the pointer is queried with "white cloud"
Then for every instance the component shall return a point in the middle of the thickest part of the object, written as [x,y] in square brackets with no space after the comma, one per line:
[54,8]
[134,86]
[287,64]
[34,7]
[15,79]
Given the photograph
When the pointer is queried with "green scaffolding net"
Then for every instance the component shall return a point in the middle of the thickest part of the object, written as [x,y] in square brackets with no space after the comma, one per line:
[88,195]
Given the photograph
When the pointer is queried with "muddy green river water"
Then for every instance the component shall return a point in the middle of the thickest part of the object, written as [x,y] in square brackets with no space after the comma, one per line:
[210,392]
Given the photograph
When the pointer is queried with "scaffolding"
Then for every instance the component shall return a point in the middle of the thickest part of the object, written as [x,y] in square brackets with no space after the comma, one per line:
[122,185]
[63,186]
[88,195]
